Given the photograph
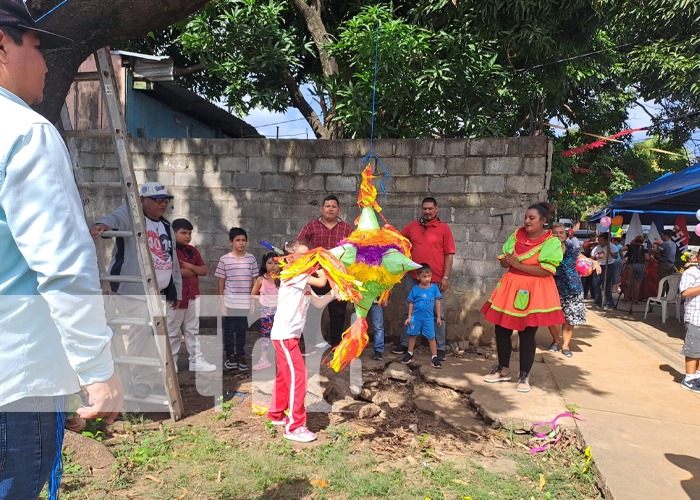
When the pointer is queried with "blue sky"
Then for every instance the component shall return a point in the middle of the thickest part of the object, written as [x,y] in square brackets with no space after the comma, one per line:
[293,126]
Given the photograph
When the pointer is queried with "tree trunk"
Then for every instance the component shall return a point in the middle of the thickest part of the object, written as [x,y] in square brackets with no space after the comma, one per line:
[93,25]
[311,12]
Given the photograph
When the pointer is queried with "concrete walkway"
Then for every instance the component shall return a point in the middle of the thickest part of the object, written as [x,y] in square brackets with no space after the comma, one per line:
[644,430]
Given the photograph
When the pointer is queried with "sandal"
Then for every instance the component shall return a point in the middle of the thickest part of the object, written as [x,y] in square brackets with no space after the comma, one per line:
[567,353]
[554,347]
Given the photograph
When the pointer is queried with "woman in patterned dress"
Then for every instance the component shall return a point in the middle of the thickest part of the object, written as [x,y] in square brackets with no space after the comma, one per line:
[570,295]
[526,297]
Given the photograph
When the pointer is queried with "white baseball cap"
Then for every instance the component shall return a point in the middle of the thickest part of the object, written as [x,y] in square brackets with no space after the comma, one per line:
[155,190]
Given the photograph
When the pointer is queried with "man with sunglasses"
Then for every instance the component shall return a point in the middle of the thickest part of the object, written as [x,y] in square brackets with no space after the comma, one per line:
[155,200]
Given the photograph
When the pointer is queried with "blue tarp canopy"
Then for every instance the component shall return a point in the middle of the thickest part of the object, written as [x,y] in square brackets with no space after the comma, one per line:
[662,199]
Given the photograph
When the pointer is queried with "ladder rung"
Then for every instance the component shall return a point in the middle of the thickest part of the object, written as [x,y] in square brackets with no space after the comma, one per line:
[87,76]
[125,321]
[117,234]
[158,400]
[86,134]
[113,278]
[137,361]
[101,185]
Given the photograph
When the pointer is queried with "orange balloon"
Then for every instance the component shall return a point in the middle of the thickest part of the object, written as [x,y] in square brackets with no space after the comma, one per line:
[617,220]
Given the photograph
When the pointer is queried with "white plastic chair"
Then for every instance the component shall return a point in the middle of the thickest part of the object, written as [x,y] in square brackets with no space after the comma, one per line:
[672,297]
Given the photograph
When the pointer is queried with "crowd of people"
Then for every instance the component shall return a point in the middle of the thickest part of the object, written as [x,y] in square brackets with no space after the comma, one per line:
[244,286]
[52,312]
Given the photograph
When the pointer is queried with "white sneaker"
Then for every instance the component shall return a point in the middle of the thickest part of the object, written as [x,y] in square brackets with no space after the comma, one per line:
[201,365]
[284,421]
[301,434]
[323,345]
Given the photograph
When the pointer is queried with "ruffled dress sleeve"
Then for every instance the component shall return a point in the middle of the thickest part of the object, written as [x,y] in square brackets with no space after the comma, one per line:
[551,254]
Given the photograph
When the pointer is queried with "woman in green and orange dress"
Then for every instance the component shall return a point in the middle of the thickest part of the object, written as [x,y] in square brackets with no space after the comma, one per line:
[526,297]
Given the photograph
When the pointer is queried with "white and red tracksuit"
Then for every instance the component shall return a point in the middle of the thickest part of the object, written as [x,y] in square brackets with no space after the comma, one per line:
[290,382]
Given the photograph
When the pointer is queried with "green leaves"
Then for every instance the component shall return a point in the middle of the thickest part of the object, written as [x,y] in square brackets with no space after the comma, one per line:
[446,69]
[422,76]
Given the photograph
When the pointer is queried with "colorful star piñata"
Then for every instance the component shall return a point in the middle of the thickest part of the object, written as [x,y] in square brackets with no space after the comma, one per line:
[378,257]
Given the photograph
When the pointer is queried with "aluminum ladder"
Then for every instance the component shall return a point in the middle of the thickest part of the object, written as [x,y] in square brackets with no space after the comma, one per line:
[156,320]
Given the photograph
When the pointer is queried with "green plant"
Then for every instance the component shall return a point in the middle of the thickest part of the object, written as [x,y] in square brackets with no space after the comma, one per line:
[225,408]
[423,445]
[94,429]
[70,468]
[572,408]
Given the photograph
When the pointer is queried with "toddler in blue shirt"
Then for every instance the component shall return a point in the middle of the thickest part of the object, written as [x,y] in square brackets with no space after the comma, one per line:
[424,306]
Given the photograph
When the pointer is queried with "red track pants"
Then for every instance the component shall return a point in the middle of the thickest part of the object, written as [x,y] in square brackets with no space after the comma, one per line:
[290,384]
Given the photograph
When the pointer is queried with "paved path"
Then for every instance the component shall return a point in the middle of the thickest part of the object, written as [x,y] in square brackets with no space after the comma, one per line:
[644,429]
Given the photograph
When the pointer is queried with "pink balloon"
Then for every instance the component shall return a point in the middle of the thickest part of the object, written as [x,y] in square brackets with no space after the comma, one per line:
[605,221]
[584,267]
[697,229]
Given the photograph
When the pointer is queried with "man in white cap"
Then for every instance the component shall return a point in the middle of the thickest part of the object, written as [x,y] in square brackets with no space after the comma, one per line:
[53,334]
[131,301]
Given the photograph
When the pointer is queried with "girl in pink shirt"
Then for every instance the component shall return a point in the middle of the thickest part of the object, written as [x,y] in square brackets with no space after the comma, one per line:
[266,290]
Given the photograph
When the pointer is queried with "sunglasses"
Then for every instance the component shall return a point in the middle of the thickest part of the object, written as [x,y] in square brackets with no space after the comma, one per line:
[160,201]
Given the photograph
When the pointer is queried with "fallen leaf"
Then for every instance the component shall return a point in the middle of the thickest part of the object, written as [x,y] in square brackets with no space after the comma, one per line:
[155,479]
[459,481]
[218,476]
[321,483]
[543,481]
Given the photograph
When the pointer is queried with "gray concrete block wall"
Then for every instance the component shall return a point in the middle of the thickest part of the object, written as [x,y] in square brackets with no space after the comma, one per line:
[273,187]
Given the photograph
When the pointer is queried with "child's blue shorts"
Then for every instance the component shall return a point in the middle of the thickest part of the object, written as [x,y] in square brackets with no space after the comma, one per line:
[426,327]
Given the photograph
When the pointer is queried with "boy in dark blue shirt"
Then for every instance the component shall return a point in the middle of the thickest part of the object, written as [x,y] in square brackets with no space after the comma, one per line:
[424,305]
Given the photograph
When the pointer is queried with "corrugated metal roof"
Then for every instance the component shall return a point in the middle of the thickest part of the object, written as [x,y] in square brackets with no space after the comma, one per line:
[189,103]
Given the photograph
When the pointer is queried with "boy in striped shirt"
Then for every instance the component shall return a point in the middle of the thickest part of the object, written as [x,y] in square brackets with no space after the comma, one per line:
[236,271]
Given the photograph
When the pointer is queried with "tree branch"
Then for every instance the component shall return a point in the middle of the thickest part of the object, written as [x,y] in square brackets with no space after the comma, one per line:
[299,102]
[195,68]
[314,23]
[645,110]
[93,25]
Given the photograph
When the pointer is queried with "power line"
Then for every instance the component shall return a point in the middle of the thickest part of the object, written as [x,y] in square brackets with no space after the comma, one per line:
[575,57]
[278,123]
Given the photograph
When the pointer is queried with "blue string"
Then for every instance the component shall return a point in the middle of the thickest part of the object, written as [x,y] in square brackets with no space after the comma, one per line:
[57,468]
[230,395]
[50,11]
[374,84]
[371,154]
[387,175]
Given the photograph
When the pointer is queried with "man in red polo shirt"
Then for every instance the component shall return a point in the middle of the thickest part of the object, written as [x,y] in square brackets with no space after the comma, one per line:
[326,232]
[433,244]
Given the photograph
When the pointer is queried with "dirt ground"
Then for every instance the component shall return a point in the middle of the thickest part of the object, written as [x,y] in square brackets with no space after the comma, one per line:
[389,419]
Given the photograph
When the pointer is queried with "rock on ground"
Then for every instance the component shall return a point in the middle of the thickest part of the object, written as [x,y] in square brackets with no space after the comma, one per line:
[91,455]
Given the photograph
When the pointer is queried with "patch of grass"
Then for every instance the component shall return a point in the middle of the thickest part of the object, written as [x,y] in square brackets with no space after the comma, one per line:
[171,462]
[342,433]
[565,471]
[135,419]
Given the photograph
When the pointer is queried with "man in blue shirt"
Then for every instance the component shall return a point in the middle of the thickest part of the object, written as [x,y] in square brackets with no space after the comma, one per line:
[53,333]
